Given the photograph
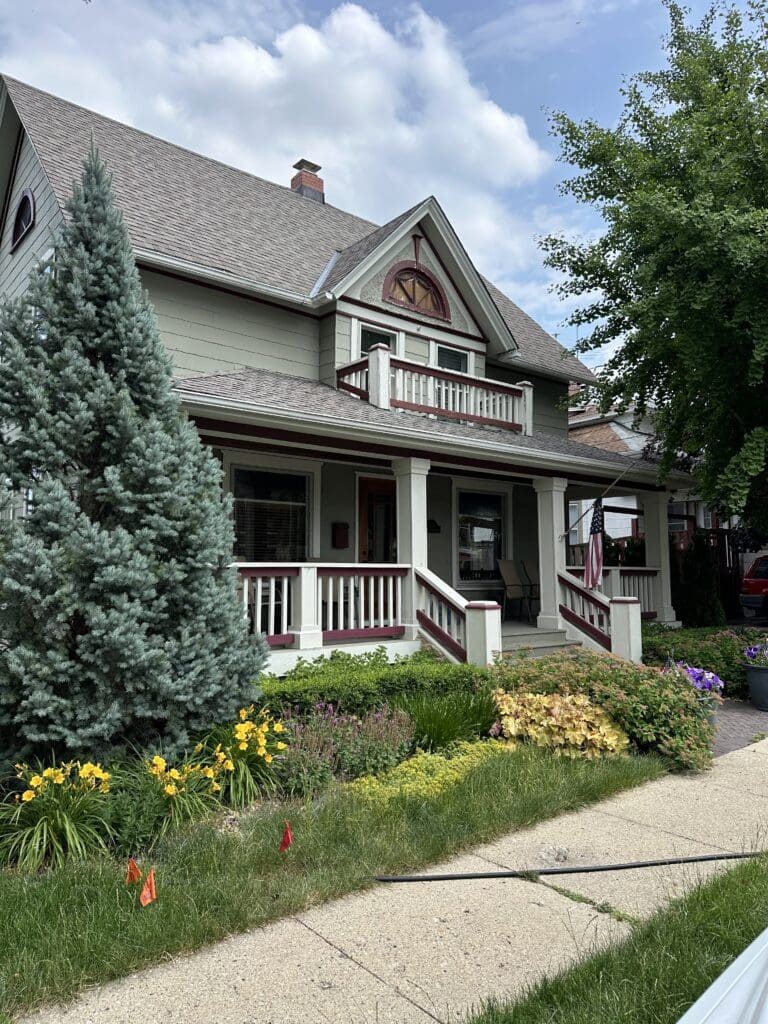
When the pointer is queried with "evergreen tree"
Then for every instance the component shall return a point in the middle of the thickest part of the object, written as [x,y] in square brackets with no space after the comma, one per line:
[118,613]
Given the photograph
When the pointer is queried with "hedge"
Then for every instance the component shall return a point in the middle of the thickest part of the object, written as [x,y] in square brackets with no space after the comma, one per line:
[658,712]
[355,683]
[716,650]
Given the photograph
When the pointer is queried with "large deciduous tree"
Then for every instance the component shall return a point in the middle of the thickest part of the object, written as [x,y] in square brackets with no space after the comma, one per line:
[677,283]
[118,617]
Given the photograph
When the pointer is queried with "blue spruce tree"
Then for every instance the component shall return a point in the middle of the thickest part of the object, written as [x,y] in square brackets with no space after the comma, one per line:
[119,622]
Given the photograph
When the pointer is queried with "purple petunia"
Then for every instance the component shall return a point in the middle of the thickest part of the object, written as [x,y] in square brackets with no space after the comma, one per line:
[706,682]
[757,654]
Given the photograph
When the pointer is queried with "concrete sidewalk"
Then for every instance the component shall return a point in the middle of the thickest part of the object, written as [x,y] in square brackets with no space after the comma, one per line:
[410,954]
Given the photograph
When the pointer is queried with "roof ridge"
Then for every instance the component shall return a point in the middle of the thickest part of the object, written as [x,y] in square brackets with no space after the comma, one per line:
[183,149]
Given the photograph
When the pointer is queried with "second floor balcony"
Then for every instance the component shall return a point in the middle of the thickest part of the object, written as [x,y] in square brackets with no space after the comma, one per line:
[389,382]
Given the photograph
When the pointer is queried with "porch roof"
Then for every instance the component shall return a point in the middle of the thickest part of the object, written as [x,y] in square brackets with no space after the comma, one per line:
[280,397]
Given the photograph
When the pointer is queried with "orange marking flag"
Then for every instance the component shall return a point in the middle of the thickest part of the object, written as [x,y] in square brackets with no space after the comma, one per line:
[287,837]
[148,894]
[134,875]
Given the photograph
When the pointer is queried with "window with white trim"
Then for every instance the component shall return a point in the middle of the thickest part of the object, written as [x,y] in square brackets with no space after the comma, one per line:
[481,535]
[370,337]
[271,515]
[452,359]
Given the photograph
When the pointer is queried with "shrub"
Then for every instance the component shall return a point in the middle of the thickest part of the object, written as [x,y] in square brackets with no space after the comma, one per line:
[57,813]
[717,650]
[245,753]
[441,719]
[657,712]
[327,743]
[428,775]
[568,723]
[356,683]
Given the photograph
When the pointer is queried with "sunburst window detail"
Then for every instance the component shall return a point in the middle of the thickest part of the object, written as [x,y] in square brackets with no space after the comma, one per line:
[410,285]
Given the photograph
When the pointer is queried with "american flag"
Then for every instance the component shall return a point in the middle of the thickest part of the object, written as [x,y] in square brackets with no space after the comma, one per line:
[593,567]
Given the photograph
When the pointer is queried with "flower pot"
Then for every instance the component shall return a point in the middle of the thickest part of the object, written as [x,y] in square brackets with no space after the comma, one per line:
[757,680]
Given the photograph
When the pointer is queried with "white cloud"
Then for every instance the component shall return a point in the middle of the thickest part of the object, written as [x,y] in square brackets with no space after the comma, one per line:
[391,113]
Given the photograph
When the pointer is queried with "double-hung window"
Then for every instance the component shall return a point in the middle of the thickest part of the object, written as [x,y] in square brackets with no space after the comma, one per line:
[271,515]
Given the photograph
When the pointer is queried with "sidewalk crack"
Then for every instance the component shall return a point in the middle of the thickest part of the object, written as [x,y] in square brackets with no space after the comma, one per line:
[373,974]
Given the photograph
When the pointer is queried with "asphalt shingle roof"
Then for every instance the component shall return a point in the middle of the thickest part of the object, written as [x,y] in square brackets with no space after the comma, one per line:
[180,204]
[270,391]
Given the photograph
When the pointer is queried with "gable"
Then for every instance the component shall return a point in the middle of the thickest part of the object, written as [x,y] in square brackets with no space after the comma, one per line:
[20,172]
[370,289]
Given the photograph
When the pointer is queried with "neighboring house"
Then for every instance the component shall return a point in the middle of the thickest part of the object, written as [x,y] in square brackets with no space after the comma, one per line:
[390,424]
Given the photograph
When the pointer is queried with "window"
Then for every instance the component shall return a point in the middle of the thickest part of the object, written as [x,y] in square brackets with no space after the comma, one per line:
[481,532]
[677,511]
[24,219]
[452,359]
[369,338]
[410,285]
[271,515]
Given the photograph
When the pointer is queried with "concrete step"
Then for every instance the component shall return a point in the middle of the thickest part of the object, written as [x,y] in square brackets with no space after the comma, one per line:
[537,641]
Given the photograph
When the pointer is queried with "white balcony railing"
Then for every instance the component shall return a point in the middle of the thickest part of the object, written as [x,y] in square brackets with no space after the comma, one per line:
[392,383]
[629,581]
[609,623]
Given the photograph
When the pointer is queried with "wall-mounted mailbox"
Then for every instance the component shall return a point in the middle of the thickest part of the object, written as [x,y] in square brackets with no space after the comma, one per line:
[340,535]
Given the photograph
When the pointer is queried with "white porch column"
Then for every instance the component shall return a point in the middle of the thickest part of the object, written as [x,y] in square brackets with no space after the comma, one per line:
[656,525]
[378,376]
[550,495]
[411,476]
[306,610]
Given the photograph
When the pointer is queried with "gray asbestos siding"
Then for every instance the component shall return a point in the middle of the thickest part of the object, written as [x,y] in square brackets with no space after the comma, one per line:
[15,266]
[549,413]
[210,331]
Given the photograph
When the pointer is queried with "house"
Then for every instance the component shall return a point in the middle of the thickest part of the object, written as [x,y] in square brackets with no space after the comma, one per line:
[390,424]
[687,514]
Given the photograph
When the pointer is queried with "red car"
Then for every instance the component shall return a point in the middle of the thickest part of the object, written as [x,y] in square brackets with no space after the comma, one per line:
[754,587]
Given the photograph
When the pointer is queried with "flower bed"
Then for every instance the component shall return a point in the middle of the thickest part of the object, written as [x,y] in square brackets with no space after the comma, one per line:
[719,650]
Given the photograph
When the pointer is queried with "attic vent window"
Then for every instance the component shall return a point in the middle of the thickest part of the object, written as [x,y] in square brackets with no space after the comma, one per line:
[24,219]
[409,284]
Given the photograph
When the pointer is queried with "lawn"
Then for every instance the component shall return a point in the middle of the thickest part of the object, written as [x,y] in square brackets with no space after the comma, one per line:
[664,966]
[80,925]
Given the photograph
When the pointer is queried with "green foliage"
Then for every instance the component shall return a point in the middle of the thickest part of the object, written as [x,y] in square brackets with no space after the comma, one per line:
[659,713]
[54,815]
[244,755]
[717,650]
[567,723]
[679,276]
[354,684]
[117,611]
[441,719]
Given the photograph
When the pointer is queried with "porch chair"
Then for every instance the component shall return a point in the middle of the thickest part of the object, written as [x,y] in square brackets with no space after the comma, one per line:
[514,588]
[532,579]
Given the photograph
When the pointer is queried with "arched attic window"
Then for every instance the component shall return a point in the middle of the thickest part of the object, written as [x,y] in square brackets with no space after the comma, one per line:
[411,285]
[24,219]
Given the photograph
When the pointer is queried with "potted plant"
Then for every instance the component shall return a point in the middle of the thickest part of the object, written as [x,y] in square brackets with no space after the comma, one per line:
[708,686]
[757,674]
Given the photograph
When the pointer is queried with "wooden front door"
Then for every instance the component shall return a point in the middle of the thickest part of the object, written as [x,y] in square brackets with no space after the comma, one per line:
[377,518]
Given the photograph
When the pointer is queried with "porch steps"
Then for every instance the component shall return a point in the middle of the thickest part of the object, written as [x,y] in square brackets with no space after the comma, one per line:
[517,636]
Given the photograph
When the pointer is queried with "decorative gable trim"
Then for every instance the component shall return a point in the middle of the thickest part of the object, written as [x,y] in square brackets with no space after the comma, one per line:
[389,280]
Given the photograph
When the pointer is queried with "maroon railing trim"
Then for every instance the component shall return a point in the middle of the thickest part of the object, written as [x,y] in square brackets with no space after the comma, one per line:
[451,414]
[361,570]
[281,639]
[269,571]
[436,593]
[477,382]
[358,364]
[441,636]
[586,627]
[361,634]
[343,386]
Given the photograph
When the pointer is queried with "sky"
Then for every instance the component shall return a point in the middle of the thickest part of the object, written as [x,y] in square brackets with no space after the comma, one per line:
[395,101]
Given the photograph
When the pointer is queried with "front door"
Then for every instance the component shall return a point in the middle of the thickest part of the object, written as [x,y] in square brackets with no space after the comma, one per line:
[377,517]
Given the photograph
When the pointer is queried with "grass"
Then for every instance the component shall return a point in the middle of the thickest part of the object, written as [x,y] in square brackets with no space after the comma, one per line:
[662,968]
[81,925]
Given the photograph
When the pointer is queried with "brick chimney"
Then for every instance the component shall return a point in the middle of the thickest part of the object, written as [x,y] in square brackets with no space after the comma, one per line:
[306,182]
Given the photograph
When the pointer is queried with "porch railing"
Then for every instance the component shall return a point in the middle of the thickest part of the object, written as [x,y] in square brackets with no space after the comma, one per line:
[611,623]
[392,383]
[629,581]
[307,604]
[442,613]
